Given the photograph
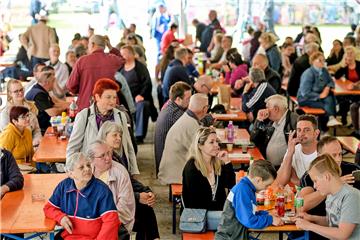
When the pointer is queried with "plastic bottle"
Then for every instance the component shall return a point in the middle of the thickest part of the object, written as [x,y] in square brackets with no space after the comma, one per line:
[268,196]
[63,118]
[299,201]
[230,132]
[73,110]
[200,64]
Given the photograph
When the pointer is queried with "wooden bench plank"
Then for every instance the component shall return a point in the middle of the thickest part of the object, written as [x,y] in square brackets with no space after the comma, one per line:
[308,110]
[198,236]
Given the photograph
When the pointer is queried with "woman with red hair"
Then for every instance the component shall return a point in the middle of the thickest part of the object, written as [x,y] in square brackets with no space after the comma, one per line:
[89,120]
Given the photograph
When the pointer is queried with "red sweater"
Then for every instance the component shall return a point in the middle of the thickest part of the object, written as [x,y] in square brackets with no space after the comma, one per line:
[166,40]
[88,69]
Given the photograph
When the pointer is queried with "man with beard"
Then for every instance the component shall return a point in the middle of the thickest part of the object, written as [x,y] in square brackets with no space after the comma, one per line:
[302,150]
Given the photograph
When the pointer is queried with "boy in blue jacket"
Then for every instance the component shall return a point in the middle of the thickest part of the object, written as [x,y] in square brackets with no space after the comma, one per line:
[239,212]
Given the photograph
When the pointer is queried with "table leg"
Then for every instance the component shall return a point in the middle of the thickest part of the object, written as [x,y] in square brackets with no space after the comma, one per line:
[174,215]
[281,237]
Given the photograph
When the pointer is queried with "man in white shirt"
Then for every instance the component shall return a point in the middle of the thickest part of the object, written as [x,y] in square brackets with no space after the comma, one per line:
[301,150]
[61,70]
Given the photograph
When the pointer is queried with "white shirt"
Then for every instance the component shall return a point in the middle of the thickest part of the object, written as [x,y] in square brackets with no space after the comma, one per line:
[277,144]
[301,161]
[61,73]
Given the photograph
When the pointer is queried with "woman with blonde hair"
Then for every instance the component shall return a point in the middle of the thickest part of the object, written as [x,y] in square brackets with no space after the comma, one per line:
[342,220]
[268,43]
[15,97]
[207,173]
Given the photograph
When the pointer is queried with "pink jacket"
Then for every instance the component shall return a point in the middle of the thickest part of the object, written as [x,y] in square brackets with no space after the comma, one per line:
[236,74]
[120,185]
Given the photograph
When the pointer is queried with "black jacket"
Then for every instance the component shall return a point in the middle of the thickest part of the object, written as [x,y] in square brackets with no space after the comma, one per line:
[262,131]
[197,190]
[273,78]
[10,174]
[300,65]
[143,86]
[344,71]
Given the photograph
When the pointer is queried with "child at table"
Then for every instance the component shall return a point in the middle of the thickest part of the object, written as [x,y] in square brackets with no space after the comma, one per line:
[239,212]
[342,220]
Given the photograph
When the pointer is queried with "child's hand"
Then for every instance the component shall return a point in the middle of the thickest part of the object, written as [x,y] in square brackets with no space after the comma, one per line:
[277,221]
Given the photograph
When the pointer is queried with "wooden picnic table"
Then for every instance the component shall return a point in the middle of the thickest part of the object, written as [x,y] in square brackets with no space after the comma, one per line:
[241,134]
[241,137]
[342,88]
[349,143]
[51,149]
[20,213]
[279,229]
[235,112]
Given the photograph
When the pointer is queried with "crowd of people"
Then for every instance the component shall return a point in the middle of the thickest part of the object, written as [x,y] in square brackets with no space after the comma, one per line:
[102,198]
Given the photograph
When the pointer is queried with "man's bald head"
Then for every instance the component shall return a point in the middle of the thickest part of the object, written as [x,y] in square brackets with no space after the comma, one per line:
[204,84]
[260,61]
[199,104]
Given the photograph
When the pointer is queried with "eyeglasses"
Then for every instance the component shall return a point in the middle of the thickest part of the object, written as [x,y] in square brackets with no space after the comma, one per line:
[26,116]
[21,90]
[207,87]
[106,154]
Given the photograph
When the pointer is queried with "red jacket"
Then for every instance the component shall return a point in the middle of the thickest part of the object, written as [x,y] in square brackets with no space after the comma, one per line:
[166,40]
[91,210]
[88,69]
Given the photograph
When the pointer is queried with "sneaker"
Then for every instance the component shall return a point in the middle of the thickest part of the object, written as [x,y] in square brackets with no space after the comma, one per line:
[333,122]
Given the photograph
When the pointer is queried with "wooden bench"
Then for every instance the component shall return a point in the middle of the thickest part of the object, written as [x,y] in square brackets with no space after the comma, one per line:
[349,143]
[198,236]
[307,110]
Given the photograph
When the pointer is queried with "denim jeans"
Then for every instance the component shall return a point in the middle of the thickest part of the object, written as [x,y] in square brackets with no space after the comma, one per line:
[328,104]
[142,118]
[36,60]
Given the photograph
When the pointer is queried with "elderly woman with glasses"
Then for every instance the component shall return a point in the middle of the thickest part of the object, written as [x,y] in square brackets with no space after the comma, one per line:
[89,120]
[15,97]
[207,173]
[315,89]
[16,137]
[117,178]
[145,218]
[83,204]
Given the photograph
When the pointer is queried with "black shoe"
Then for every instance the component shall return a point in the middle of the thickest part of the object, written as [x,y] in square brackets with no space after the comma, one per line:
[139,140]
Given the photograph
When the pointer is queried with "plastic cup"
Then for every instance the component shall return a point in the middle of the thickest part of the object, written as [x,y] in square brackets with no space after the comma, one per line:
[229,147]
[244,148]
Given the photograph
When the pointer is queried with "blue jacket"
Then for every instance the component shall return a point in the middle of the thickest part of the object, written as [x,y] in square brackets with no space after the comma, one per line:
[312,83]
[175,72]
[274,56]
[243,201]
[91,210]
